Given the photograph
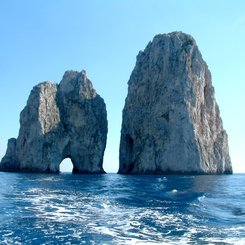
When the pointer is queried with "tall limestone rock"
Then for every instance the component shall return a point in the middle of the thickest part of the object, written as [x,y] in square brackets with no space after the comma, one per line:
[171,121]
[60,121]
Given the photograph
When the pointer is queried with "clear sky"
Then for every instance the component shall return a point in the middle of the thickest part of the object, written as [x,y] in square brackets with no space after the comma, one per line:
[41,39]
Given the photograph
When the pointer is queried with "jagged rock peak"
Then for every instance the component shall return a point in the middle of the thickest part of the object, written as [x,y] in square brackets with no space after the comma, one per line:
[179,37]
[59,121]
[171,121]
[73,80]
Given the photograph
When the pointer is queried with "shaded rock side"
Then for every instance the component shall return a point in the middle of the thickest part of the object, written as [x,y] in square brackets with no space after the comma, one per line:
[68,120]
[171,121]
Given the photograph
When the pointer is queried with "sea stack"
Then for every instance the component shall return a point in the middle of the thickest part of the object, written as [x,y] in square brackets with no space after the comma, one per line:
[171,121]
[68,120]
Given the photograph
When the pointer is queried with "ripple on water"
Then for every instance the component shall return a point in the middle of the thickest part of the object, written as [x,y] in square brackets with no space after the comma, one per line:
[153,210]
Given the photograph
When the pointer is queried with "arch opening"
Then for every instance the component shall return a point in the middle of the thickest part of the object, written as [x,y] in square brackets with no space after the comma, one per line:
[66,166]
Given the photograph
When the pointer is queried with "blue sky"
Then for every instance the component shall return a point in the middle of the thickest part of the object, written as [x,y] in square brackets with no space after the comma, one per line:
[42,39]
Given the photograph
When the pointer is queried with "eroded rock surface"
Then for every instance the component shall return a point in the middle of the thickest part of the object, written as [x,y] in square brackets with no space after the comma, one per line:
[60,121]
[171,121]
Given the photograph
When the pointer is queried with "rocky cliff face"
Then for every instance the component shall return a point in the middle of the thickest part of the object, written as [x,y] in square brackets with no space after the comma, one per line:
[171,121]
[60,121]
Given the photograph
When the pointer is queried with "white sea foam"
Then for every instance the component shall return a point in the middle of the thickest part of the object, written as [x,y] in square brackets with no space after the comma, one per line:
[120,216]
[201,198]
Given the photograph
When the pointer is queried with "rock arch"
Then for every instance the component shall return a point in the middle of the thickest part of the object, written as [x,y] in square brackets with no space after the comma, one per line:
[60,121]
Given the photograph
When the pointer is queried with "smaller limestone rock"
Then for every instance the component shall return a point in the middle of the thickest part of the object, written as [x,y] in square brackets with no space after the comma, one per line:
[68,120]
[9,160]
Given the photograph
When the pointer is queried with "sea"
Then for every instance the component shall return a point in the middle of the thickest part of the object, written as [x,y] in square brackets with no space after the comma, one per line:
[121,209]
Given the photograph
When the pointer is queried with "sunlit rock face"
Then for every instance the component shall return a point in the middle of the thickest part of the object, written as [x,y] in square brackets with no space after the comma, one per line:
[60,121]
[171,121]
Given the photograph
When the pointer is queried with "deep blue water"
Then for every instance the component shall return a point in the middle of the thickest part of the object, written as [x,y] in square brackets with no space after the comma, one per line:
[119,209]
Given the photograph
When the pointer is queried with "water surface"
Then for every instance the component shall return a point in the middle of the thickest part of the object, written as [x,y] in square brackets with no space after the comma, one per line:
[119,209]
